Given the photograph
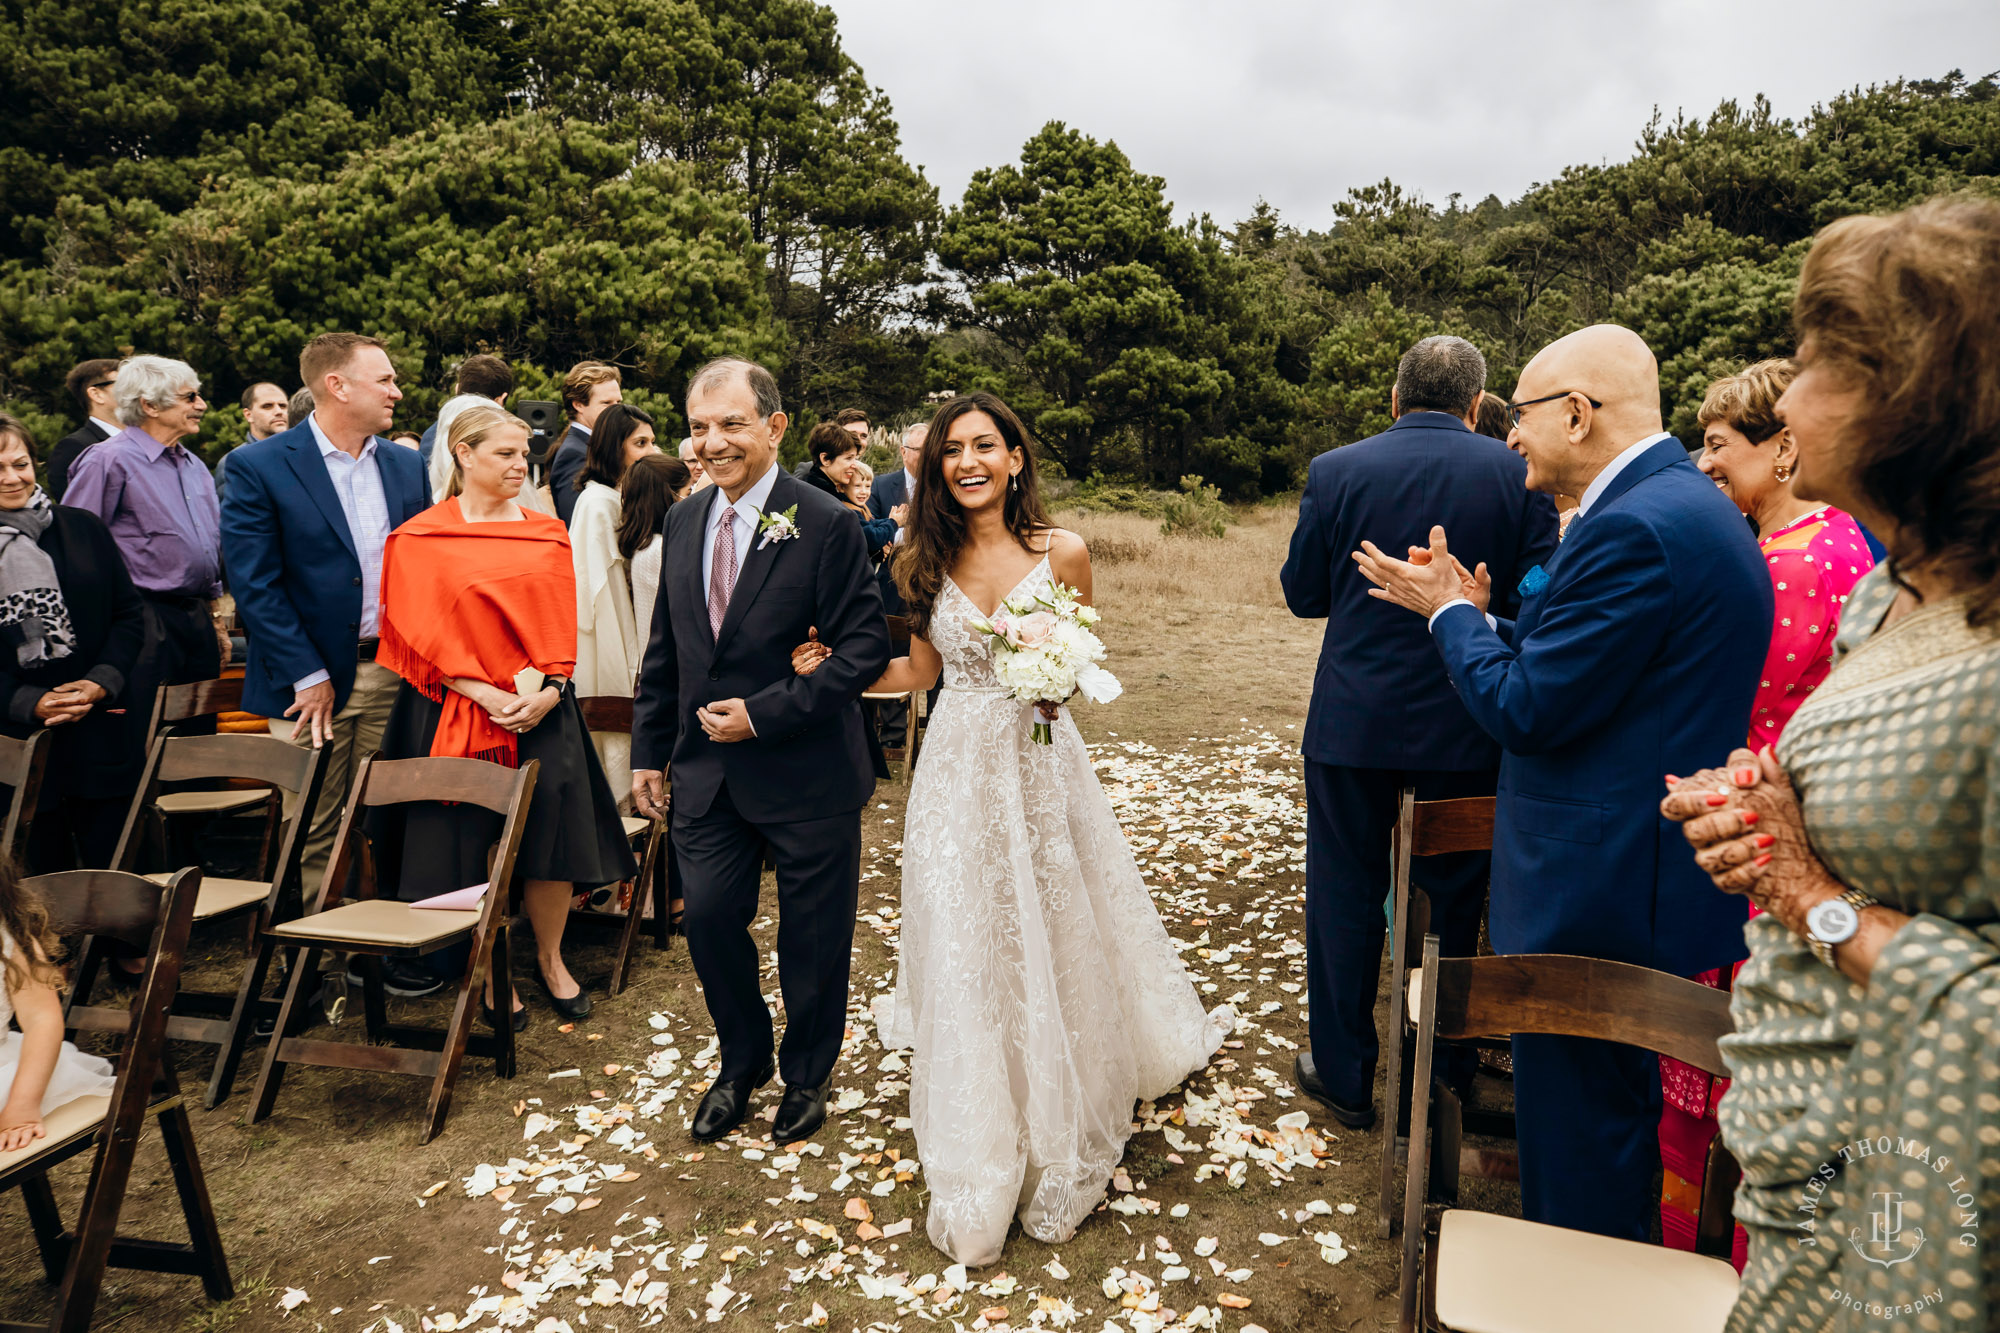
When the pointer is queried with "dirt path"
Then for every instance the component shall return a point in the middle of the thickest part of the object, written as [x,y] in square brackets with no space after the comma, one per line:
[572,1198]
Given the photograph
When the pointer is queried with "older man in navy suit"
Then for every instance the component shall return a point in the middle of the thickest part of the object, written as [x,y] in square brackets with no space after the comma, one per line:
[1635,654]
[303,524]
[1383,714]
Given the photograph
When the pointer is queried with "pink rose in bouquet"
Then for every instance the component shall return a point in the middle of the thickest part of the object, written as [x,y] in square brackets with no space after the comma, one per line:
[1031,631]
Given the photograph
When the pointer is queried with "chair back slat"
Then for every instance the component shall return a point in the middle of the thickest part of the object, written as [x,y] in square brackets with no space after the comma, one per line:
[199,698]
[239,755]
[398,781]
[1565,995]
[111,903]
[607,712]
[22,764]
[1461,825]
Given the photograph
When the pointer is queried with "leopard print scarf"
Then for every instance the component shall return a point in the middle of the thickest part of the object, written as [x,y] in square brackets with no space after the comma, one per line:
[34,621]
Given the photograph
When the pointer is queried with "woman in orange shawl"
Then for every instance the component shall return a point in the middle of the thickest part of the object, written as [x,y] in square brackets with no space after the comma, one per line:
[479,619]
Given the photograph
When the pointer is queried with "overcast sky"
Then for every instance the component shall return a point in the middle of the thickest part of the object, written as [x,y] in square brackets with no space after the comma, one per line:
[1297,102]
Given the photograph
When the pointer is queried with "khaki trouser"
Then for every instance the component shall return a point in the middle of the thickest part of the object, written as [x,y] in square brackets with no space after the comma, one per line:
[357,730]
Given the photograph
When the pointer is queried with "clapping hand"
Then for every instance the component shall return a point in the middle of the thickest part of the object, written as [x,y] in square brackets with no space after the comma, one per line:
[1749,836]
[1427,580]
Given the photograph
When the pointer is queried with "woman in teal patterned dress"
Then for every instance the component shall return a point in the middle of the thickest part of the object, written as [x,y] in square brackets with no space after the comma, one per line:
[1865,1107]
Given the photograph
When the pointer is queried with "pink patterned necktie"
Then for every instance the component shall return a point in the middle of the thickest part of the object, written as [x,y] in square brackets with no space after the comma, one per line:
[722,572]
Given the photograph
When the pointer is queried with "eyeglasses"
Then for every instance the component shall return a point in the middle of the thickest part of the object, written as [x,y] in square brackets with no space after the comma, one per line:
[1514,409]
[100,384]
[190,396]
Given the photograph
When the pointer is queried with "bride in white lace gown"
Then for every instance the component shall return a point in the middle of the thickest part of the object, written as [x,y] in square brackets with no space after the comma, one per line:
[1037,986]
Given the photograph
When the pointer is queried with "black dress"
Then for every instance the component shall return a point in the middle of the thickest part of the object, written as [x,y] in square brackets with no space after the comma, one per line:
[93,766]
[573,831]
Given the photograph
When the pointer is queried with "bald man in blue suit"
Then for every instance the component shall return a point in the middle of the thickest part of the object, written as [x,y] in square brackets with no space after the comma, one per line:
[1635,653]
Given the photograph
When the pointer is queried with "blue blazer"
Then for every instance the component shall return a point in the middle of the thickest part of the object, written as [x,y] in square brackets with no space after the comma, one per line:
[1379,700]
[814,755]
[1639,658]
[292,562]
[889,490]
[565,465]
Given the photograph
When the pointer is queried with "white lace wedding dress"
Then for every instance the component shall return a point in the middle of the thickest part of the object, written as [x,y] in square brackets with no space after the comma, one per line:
[1037,985]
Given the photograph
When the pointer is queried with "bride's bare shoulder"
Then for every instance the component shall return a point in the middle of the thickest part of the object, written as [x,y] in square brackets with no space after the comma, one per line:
[1060,543]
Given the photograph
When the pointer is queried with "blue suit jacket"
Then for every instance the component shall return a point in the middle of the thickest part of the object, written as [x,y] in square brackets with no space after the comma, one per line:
[292,563]
[565,465]
[1639,658]
[889,490]
[1379,700]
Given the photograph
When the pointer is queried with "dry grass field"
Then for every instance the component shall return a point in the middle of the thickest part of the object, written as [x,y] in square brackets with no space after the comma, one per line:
[333,1201]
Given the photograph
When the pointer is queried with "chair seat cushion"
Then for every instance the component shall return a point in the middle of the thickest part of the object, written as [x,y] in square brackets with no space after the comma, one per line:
[1504,1275]
[380,921]
[210,802]
[1416,993]
[633,825]
[63,1125]
[219,896]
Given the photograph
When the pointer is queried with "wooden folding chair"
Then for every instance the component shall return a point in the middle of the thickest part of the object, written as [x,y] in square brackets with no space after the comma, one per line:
[1423,828]
[1483,1272]
[613,713]
[174,706]
[375,928]
[22,763]
[917,701]
[222,1020]
[155,917]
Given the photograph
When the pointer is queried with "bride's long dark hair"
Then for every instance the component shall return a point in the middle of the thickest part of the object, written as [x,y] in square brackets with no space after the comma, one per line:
[936,530]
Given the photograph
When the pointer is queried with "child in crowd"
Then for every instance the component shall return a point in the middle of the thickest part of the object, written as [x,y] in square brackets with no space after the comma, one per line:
[39,1071]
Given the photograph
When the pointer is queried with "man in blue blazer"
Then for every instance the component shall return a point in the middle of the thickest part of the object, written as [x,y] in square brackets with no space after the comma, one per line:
[303,524]
[1635,654]
[890,492]
[1383,714]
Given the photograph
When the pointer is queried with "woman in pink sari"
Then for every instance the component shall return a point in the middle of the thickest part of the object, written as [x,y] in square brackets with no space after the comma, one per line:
[1816,554]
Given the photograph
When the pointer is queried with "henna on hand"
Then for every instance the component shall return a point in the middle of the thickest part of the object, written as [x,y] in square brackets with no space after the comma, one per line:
[1749,835]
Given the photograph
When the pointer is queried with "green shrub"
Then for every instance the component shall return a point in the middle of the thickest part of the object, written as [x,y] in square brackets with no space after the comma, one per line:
[1197,511]
[1101,495]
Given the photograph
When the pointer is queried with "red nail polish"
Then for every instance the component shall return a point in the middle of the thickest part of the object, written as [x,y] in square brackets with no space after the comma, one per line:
[1672,780]
[1749,816]
[1718,799]
[1762,860]
[1746,777]
[1763,840]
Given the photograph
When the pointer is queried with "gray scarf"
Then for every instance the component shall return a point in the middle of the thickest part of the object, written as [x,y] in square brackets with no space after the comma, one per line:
[34,622]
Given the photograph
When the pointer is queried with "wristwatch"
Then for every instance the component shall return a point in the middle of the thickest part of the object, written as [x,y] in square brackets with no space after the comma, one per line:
[1835,921]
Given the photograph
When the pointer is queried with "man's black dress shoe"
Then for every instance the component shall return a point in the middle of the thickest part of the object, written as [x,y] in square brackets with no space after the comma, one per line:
[1303,1073]
[726,1102]
[801,1113]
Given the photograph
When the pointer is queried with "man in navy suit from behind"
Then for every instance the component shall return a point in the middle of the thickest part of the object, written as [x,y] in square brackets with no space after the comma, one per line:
[1383,714]
[1635,655]
[303,524]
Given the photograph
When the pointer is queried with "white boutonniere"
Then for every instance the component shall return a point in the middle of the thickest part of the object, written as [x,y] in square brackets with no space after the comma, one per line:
[778,527]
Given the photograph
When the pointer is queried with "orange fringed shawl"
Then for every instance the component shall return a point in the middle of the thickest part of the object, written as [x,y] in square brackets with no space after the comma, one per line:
[476,601]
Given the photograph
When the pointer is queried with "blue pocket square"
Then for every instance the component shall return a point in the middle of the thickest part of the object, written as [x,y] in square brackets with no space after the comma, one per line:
[1534,581]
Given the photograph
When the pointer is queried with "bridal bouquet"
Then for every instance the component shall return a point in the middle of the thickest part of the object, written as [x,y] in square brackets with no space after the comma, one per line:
[1043,649]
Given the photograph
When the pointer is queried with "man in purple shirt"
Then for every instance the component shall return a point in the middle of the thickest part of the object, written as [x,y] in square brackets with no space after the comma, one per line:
[159,502]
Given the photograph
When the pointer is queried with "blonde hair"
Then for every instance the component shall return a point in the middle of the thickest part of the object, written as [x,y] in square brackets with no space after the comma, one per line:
[1748,400]
[470,428]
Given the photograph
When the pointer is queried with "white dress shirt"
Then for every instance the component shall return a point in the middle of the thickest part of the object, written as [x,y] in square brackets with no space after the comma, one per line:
[1599,484]
[358,483]
[744,513]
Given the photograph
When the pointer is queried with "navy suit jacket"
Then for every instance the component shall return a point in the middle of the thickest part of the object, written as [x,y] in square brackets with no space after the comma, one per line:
[1379,700]
[889,490]
[814,755]
[292,561]
[565,464]
[1639,658]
